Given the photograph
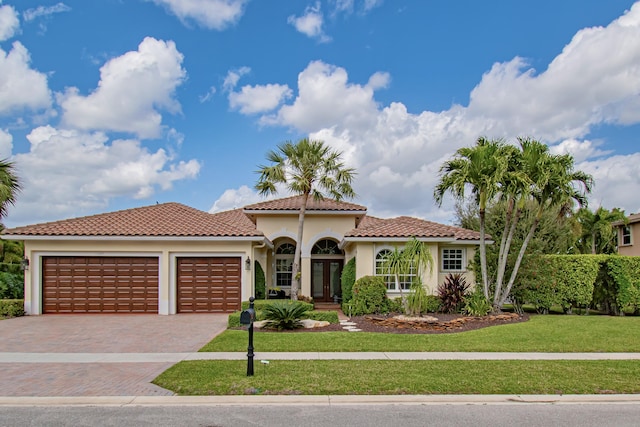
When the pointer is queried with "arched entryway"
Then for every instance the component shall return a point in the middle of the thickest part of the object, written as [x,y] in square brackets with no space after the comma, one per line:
[327,260]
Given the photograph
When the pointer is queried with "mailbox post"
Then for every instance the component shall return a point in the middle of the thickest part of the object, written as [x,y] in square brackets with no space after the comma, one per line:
[247,317]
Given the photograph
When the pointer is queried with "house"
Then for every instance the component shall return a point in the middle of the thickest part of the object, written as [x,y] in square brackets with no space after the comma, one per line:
[170,258]
[628,231]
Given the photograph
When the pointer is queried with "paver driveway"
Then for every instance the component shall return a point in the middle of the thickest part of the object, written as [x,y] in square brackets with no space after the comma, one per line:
[100,333]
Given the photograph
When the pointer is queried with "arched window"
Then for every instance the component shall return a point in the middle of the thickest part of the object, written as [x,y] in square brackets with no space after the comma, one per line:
[284,264]
[382,269]
[326,247]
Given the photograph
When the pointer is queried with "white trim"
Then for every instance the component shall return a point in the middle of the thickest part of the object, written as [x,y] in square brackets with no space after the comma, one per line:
[137,238]
[326,234]
[173,273]
[400,239]
[297,212]
[463,261]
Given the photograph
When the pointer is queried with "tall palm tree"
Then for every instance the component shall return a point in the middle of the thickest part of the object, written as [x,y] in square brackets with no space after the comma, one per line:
[9,186]
[555,185]
[310,169]
[480,168]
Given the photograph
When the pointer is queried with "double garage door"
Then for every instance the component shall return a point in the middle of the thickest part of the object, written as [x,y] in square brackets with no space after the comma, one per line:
[130,284]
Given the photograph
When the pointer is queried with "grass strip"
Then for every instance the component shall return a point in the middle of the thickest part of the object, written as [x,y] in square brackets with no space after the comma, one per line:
[542,333]
[375,377]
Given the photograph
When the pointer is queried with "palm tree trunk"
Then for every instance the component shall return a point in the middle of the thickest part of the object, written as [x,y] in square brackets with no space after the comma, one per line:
[593,242]
[297,257]
[483,255]
[523,249]
[502,262]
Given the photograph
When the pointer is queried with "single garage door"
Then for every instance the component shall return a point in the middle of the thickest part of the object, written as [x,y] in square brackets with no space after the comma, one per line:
[100,284]
[208,284]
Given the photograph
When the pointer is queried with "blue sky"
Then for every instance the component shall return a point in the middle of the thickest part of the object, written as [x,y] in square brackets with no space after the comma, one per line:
[111,104]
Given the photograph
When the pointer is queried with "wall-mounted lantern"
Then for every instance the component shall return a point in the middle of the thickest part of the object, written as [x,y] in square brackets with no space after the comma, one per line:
[247,264]
[24,264]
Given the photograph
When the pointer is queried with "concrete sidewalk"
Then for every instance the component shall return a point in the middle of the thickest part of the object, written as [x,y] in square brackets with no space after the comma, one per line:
[324,400]
[8,357]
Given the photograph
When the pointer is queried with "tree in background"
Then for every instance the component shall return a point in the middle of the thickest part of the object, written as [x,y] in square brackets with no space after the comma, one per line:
[308,169]
[598,235]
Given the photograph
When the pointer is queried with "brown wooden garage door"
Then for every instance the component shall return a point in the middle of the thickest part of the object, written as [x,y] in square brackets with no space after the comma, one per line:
[100,284]
[209,284]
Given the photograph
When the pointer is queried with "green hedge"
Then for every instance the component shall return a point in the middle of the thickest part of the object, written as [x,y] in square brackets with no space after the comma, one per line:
[608,282]
[259,281]
[11,307]
[347,280]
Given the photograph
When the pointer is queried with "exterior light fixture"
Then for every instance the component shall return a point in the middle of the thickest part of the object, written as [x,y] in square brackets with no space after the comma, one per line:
[247,264]
[24,264]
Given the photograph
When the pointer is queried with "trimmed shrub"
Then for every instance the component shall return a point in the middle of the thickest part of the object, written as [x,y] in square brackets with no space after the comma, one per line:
[327,316]
[259,281]
[433,304]
[347,279]
[284,315]
[395,305]
[618,285]
[565,280]
[11,285]
[452,292]
[369,296]
[11,307]
[475,304]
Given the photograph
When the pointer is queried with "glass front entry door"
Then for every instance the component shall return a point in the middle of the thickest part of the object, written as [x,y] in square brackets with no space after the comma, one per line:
[326,279]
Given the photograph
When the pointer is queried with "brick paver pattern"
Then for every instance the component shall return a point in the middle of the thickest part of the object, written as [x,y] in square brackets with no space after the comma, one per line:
[139,333]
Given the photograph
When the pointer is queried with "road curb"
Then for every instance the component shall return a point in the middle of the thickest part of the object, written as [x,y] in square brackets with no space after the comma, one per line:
[321,400]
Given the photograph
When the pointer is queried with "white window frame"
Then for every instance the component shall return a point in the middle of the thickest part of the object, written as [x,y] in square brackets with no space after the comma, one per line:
[446,257]
[628,234]
[283,267]
[389,279]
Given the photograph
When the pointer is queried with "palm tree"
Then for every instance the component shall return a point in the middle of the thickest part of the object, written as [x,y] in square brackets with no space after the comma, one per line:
[306,168]
[555,185]
[598,236]
[9,186]
[480,168]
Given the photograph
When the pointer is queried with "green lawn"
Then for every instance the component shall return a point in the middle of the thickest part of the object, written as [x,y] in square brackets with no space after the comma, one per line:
[548,333]
[340,377]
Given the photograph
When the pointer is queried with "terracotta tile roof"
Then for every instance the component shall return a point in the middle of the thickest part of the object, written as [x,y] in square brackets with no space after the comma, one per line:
[163,220]
[293,204]
[631,219]
[405,227]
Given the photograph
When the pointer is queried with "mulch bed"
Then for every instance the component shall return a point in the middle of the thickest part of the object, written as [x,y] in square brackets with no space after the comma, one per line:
[445,323]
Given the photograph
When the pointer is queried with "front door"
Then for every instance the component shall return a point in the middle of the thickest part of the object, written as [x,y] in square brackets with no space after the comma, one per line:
[326,279]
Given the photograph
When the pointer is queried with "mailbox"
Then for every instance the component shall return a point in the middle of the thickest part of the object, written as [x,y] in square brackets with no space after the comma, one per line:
[248,316]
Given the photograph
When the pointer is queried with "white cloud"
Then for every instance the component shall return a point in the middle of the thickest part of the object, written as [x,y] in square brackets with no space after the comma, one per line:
[371,4]
[21,86]
[211,14]
[580,150]
[235,198]
[9,23]
[209,95]
[72,172]
[347,7]
[310,23]
[617,179]
[259,99]
[233,76]
[6,144]
[31,14]
[594,81]
[325,98]
[132,89]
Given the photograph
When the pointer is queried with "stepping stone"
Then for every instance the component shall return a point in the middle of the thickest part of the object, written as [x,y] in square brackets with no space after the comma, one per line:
[347,323]
[354,330]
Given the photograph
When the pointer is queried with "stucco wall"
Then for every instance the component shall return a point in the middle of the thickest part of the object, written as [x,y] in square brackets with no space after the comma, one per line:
[166,251]
[634,248]
[366,253]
